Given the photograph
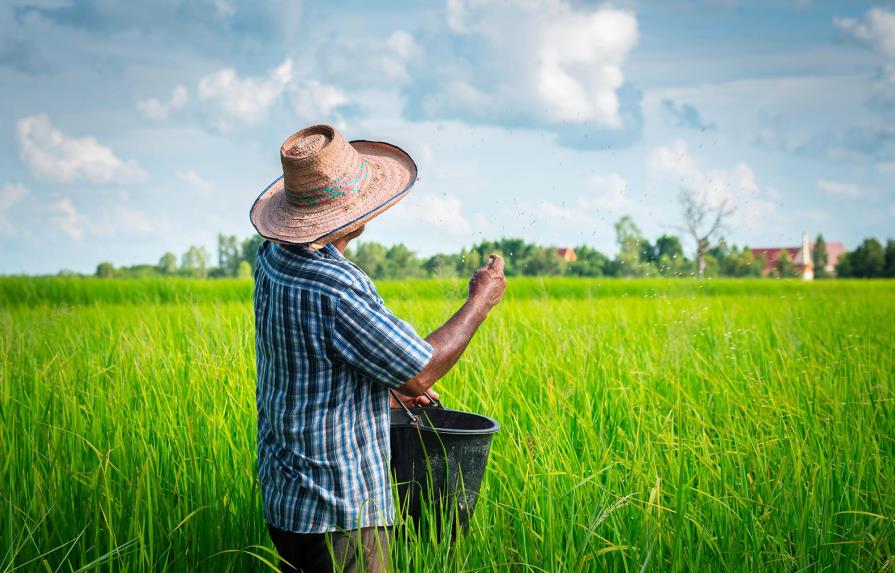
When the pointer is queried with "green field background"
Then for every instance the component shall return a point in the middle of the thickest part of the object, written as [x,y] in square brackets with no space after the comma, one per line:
[647,425]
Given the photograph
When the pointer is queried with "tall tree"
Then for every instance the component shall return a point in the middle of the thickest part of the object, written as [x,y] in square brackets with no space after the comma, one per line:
[670,246]
[195,262]
[250,247]
[402,263]
[820,258]
[703,221]
[442,265]
[889,259]
[228,255]
[167,265]
[630,248]
[866,261]
[545,262]
[370,256]
[105,270]
[590,262]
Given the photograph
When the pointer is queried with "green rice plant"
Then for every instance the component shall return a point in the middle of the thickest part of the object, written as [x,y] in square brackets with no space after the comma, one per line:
[647,425]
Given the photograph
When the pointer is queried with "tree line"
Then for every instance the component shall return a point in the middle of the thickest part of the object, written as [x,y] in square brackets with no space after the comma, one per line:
[869,260]
[637,257]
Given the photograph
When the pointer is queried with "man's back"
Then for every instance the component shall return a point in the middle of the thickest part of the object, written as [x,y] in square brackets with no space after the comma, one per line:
[327,351]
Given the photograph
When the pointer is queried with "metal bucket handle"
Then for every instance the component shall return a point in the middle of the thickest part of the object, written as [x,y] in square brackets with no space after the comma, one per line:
[414,419]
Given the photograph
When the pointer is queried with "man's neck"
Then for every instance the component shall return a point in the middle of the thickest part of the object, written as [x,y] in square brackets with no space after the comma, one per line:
[341,244]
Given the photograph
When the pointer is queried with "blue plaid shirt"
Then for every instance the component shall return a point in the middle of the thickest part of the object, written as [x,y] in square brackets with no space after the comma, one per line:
[328,350]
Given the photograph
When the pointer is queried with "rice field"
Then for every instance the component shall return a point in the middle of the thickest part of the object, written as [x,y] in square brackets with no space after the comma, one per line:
[651,425]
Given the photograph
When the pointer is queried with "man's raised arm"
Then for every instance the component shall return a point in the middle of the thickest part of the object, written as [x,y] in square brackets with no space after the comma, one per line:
[450,339]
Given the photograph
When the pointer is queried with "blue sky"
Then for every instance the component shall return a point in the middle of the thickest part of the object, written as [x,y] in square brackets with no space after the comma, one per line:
[133,128]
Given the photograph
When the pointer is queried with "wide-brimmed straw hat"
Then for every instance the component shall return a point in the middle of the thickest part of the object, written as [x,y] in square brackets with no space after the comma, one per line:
[330,187]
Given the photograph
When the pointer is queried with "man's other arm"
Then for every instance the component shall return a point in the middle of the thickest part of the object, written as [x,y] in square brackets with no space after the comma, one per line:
[448,341]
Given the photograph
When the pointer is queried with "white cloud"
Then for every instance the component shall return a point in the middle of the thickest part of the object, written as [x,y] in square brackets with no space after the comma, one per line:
[753,204]
[553,62]
[249,99]
[157,109]
[67,219]
[456,15]
[839,189]
[878,29]
[887,167]
[443,212]
[195,181]
[246,99]
[402,44]
[53,155]
[10,194]
[313,101]
[401,48]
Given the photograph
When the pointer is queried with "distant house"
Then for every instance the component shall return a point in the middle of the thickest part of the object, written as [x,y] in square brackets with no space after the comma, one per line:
[801,257]
[567,254]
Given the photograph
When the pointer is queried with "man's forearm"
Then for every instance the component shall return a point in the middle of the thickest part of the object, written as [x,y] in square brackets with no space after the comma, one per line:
[448,343]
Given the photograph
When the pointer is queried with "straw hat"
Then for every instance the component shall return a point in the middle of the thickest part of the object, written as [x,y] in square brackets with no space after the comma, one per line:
[330,187]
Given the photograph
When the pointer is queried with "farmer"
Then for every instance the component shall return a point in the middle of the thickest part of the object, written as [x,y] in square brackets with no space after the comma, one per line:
[329,351]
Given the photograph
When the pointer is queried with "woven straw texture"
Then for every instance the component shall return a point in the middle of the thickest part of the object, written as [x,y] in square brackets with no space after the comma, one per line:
[330,187]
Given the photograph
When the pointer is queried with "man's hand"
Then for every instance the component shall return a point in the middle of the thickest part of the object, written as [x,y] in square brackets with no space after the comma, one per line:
[488,283]
[410,401]
[450,339]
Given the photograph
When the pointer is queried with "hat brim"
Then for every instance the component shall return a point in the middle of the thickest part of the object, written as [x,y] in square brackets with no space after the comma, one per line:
[394,173]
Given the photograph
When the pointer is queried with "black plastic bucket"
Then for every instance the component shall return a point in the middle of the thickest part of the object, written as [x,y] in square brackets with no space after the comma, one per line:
[440,457]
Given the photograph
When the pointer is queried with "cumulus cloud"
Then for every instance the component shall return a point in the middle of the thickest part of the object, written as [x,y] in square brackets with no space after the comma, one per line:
[444,212]
[878,29]
[401,48]
[53,155]
[839,189]
[156,109]
[754,205]
[67,219]
[10,194]
[249,99]
[541,62]
[246,99]
[312,101]
[195,181]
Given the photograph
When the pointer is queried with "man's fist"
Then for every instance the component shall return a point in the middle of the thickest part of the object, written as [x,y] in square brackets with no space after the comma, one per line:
[488,283]
[411,401]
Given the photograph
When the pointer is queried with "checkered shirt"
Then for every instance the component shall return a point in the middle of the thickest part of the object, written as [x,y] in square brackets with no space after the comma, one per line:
[328,350]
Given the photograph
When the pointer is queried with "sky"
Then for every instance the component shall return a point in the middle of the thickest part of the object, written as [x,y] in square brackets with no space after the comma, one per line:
[128,129]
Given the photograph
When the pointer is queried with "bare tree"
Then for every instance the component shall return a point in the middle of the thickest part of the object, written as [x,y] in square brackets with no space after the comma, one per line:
[703,220]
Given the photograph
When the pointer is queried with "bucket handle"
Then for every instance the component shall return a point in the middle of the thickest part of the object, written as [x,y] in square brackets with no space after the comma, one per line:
[414,419]
[433,399]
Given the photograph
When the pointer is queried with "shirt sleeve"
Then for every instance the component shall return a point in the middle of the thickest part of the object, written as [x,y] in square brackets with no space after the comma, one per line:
[370,338]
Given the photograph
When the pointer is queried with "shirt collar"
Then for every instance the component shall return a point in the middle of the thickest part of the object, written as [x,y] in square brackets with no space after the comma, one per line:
[328,251]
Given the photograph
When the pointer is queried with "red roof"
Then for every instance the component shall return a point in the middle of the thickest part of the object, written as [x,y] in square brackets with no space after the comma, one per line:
[772,254]
[567,253]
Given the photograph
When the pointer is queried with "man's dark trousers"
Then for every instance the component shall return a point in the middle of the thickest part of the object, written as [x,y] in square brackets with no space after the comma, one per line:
[364,549]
